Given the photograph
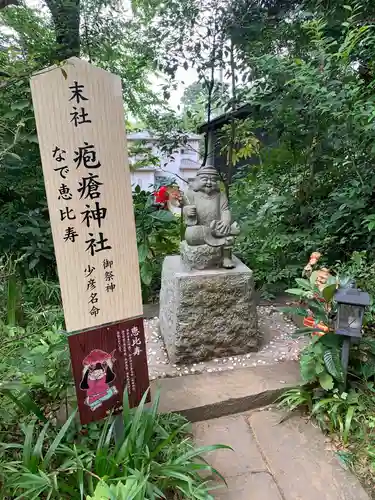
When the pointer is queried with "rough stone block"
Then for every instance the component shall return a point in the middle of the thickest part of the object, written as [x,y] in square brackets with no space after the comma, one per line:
[207,314]
[200,257]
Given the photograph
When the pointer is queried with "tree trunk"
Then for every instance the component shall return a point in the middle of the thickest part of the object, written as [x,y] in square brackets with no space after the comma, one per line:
[5,3]
[232,120]
[66,17]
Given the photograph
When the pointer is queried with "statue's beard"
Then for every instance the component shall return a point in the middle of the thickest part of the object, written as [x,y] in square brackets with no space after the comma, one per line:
[210,190]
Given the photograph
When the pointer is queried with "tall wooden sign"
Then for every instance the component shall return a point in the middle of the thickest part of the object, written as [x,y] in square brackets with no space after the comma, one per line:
[81,131]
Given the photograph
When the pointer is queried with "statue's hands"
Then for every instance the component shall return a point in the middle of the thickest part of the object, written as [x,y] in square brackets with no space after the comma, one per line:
[223,228]
[191,211]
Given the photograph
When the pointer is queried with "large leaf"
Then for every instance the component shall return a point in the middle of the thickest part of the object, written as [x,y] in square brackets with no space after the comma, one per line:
[307,367]
[305,284]
[143,251]
[333,364]
[326,381]
[330,340]
[163,216]
[329,291]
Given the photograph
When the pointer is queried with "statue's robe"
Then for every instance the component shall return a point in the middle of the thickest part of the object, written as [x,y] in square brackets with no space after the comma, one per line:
[209,208]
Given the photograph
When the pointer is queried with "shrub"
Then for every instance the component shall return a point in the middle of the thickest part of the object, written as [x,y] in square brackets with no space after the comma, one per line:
[153,458]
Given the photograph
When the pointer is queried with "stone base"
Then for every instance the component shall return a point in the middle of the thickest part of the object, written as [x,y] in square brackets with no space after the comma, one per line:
[207,314]
[201,256]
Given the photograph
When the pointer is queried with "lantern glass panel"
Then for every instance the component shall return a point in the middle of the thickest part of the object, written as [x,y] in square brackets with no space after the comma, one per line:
[350,318]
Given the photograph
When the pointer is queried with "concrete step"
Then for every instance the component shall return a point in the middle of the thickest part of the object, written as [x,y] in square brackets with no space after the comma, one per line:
[212,395]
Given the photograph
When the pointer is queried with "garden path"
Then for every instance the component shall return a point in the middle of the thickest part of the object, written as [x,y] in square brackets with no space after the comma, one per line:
[275,459]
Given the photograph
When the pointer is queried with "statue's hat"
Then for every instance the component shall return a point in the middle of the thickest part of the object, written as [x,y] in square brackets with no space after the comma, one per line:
[207,170]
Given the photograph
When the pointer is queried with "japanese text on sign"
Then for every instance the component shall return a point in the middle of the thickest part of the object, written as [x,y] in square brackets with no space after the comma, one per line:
[80,124]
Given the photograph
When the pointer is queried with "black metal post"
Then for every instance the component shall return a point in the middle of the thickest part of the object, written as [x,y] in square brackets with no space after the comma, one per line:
[345,356]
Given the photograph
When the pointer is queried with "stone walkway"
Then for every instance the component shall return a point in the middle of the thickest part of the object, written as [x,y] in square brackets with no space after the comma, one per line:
[275,461]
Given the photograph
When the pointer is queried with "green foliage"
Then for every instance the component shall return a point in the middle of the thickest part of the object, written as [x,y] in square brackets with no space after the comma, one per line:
[296,398]
[153,458]
[362,269]
[320,362]
[313,188]
[158,235]
[30,40]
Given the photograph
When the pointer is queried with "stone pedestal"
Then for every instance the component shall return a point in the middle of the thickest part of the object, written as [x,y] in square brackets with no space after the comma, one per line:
[207,314]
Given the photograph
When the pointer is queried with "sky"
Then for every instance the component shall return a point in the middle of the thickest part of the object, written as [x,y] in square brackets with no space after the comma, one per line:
[184,78]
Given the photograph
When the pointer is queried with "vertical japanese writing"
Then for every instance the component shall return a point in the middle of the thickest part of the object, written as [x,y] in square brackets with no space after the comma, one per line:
[78,114]
[109,275]
[90,289]
[130,359]
[122,347]
[66,214]
[136,341]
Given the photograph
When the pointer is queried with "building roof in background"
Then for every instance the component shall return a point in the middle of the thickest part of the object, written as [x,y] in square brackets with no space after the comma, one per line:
[219,121]
[145,134]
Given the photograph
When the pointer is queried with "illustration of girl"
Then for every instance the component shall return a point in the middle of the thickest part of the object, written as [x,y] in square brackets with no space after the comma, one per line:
[97,378]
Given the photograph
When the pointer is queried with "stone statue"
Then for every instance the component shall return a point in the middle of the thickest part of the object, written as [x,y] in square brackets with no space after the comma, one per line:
[210,232]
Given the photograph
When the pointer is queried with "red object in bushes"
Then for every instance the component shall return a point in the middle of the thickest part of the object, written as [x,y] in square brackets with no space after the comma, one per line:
[162,195]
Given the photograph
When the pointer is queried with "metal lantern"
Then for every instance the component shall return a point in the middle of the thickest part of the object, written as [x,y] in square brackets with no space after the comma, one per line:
[351,304]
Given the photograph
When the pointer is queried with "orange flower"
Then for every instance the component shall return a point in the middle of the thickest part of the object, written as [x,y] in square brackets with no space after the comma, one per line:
[310,322]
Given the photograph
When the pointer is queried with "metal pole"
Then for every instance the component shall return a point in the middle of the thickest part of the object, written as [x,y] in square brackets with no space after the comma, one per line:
[345,357]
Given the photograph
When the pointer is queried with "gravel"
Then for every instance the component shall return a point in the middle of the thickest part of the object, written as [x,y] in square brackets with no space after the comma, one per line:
[278,346]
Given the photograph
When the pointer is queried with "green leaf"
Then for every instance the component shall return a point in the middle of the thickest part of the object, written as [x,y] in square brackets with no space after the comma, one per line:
[143,251]
[146,273]
[61,434]
[163,216]
[307,367]
[330,340]
[313,277]
[297,311]
[333,364]
[13,155]
[348,422]
[328,292]
[305,284]
[18,105]
[326,381]
[32,138]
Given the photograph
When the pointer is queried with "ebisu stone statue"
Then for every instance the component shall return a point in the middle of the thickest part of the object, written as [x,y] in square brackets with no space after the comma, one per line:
[210,232]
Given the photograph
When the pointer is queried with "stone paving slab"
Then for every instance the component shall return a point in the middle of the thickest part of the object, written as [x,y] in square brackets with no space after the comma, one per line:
[295,453]
[244,469]
[235,432]
[257,486]
[274,461]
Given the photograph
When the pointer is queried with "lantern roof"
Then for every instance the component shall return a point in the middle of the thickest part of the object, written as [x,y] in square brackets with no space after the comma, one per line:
[352,296]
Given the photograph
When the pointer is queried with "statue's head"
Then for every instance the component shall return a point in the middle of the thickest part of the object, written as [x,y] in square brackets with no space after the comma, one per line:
[207,180]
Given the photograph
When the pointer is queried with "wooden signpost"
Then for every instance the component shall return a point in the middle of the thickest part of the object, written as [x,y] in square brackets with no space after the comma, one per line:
[81,131]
